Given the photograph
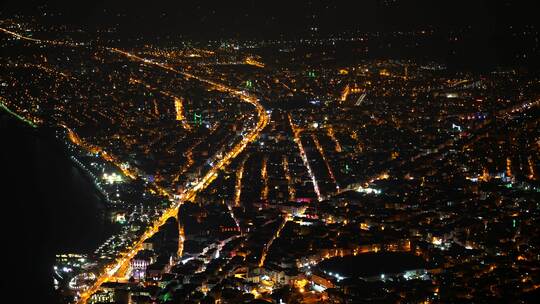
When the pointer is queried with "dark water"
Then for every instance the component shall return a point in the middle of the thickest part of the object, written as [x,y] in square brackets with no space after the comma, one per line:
[47,207]
[372,264]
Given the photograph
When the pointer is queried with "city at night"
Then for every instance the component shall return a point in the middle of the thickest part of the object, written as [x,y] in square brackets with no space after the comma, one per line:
[299,152]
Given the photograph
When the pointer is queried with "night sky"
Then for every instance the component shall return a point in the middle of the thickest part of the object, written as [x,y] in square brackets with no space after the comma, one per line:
[252,18]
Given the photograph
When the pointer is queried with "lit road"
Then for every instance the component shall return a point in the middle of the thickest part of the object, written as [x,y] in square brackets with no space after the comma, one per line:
[72,136]
[254,62]
[187,194]
[40,41]
[264,178]
[345,93]
[110,271]
[269,244]
[75,139]
[303,155]
[290,185]
[332,136]
[238,185]
[22,37]
[323,155]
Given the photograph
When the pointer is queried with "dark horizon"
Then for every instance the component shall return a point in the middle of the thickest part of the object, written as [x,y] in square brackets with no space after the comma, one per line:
[255,151]
[255,18]
[489,34]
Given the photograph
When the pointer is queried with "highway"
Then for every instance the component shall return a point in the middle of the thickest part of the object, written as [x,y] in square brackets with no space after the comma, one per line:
[109,272]
[188,193]
[19,36]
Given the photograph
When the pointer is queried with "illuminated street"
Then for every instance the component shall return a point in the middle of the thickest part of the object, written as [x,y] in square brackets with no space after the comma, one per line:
[375,151]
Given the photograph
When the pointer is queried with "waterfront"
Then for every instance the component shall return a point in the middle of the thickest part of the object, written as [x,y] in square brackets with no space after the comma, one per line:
[326,164]
[59,209]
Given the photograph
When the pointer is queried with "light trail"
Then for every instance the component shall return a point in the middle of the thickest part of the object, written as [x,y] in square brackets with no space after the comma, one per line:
[238,185]
[298,141]
[264,178]
[290,185]
[323,155]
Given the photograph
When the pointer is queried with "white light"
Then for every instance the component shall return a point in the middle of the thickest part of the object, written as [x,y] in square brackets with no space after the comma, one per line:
[368,190]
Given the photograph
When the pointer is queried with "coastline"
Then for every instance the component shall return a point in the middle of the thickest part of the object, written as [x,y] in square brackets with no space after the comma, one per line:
[50,205]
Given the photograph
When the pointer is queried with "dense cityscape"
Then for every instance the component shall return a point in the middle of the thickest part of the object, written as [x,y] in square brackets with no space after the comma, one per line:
[285,169]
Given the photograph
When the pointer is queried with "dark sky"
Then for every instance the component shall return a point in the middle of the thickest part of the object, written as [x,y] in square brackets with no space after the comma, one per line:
[252,17]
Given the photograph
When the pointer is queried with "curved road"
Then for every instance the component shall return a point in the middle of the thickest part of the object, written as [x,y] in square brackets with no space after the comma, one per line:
[109,271]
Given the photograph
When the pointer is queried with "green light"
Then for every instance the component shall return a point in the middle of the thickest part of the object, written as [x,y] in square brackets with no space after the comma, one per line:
[166,297]
[3,106]
[514,223]
[197,118]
